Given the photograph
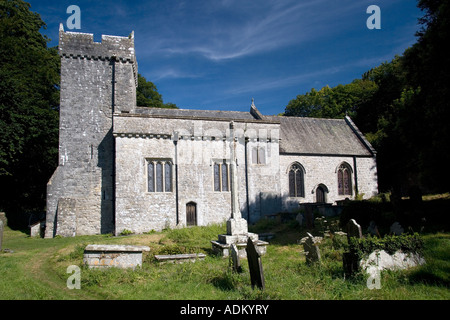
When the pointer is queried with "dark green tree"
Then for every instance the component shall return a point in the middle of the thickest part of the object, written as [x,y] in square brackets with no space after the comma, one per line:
[402,106]
[424,126]
[29,99]
[147,95]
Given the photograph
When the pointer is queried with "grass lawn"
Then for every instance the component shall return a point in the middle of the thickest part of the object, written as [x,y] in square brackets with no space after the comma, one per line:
[36,270]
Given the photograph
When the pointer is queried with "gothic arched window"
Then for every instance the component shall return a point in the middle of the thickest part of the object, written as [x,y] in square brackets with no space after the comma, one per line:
[344,176]
[296,181]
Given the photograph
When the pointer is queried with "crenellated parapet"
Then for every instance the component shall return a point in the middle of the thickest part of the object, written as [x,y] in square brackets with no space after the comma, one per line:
[82,46]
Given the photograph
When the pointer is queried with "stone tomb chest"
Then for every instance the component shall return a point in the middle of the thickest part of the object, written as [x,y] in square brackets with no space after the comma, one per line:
[119,256]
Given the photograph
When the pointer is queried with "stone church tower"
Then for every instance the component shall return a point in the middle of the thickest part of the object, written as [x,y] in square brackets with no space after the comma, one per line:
[97,80]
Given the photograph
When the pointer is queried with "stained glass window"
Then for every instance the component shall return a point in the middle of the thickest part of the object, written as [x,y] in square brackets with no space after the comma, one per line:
[296,181]
[344,177]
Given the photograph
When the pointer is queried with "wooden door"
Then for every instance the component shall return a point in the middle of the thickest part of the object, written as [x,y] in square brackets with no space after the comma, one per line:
[320,194]
[191,214]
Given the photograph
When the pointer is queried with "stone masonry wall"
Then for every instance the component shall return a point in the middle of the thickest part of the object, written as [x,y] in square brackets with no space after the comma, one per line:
[96,79]
[323,170]
[153,138]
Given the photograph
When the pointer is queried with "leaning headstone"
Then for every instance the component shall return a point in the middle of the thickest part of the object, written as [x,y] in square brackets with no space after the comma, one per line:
[255,265]
[235,259]
[396,229]
[1,234]
[353,229]
[311,249]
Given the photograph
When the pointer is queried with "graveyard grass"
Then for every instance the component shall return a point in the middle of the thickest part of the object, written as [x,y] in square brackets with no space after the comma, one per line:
[36,269]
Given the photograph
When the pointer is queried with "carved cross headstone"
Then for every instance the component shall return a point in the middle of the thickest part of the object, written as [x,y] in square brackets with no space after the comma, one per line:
[255,265]
[235,259]
[311,249]
[1,234]
[353,229]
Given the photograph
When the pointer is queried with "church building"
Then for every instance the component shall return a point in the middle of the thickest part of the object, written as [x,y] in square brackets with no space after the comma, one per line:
[123,167]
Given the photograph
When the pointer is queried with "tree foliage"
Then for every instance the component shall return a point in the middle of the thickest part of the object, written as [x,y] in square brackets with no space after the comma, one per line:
[147,95]
[402,106]
[29,98]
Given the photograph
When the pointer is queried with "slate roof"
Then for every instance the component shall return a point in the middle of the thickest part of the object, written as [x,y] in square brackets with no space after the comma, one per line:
[191,113]
[301,135]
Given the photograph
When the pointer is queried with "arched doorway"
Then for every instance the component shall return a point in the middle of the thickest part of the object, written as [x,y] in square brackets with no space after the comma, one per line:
[321,194]
[191,214]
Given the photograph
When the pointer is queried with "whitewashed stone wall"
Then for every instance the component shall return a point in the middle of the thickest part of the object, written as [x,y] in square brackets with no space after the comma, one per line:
[367,177]
[323,170]
[153,138]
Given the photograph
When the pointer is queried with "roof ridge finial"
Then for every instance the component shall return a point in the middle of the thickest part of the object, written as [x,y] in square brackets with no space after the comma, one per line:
[254,111]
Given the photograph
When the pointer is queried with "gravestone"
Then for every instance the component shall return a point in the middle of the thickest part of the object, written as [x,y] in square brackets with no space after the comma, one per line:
[3,218]
[1,234]
[396,229]
[235,259]
[255,265]
[353,229]
[373,229]
[299,219]
[309,214]
[311,249]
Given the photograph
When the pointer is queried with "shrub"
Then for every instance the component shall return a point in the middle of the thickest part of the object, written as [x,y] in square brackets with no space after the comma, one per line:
[408,243]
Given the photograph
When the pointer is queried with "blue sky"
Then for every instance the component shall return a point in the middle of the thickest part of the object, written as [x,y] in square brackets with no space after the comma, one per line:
[218,55]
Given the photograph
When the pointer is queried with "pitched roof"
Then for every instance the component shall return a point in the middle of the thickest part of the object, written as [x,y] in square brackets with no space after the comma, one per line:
[299,135]
[194,114]
[322,136]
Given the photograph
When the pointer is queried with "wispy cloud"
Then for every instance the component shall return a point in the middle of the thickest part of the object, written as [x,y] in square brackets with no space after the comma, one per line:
[232,29]
[172,73]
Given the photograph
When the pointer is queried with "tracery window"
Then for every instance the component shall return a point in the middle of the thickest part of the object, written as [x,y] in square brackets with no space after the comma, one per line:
[159,175]
[296,181]
[344,176]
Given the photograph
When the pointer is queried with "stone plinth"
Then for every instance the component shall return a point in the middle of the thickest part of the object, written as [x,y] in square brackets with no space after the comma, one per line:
[222,247]
[237,226]
[180,258]
[119,256]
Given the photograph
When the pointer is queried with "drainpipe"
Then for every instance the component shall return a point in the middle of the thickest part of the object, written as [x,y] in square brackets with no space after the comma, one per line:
[246,180]
[356,175]
[113,107]
[175,142]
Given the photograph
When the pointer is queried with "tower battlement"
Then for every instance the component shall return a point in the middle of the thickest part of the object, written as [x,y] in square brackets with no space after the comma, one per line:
[82,45]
